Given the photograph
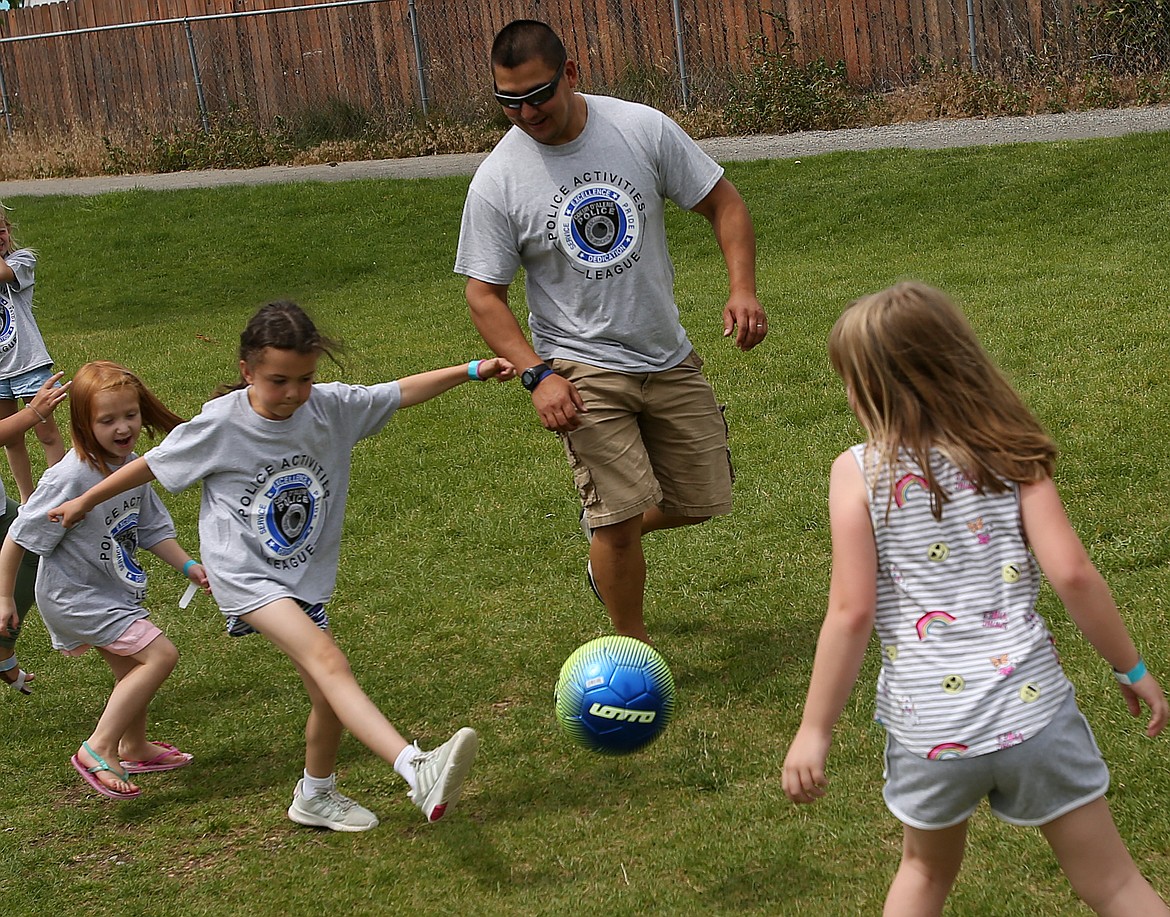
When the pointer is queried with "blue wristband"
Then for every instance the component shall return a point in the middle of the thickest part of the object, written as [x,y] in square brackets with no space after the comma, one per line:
[473,371]
[1133,676]
[188,565]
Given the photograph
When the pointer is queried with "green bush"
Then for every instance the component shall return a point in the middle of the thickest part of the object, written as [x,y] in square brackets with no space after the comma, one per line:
[117,159]
[1128,36]
[338,119]
[954,90]
[779,95]
[1153,88]
[231,142]
[645,83]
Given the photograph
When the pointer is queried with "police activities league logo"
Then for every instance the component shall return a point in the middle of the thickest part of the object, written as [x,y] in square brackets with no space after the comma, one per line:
[598,225]
[288,512]
[125,537]
[7,322]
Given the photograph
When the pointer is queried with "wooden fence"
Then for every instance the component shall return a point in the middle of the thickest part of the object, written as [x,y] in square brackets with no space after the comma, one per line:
[179,65]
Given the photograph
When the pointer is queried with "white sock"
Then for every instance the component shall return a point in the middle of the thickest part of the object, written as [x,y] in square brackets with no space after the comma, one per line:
[316,786]
[404,764]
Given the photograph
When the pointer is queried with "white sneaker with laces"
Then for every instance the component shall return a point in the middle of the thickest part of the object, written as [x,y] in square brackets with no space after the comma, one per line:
[330,810]
[592,582]
[584,520]
[439,773]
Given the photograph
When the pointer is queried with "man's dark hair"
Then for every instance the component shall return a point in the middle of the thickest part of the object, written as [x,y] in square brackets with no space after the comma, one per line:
[520,41]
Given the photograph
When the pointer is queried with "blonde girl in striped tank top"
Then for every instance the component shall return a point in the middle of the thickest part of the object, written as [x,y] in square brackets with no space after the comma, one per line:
[942,523]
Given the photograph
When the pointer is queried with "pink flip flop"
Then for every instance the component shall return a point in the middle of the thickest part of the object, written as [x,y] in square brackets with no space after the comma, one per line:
[159,762]
[89,775]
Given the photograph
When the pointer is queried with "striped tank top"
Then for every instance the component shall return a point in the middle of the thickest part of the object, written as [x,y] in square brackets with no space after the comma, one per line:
[968,665]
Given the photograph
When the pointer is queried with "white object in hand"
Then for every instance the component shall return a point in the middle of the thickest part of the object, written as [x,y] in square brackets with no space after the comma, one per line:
[188,595]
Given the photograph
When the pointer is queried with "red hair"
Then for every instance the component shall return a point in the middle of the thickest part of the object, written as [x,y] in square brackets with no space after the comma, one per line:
[103,376]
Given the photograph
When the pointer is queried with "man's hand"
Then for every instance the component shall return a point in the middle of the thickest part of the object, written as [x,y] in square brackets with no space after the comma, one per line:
[558,403]
[745,317]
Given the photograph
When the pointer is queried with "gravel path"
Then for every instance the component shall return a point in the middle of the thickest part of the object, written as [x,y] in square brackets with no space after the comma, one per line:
[924,135]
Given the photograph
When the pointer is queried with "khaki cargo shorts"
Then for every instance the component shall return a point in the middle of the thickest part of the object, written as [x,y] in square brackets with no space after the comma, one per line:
[648,439]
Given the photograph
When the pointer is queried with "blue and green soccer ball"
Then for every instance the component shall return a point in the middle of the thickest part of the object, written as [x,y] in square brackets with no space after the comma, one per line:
[614,695]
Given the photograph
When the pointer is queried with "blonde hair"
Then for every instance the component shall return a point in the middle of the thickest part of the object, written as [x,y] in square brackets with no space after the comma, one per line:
[918,378]
[13,245]
[103,376]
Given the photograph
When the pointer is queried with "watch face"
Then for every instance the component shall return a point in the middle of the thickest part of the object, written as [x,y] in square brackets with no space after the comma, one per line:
[531,376]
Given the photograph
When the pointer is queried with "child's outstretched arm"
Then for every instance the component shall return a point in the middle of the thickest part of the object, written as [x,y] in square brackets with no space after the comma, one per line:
[170,551]
[1086,596]
[424,386]
[844,634]
[38,410]
[134,474]
[10,557]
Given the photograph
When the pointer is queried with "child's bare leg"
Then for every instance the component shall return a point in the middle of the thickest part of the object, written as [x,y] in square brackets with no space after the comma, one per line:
[1097,863]
[930,863]
[135,746]
[322,730]
[316,655]
[17,453]
[137,680]
[133,735]
[50,439]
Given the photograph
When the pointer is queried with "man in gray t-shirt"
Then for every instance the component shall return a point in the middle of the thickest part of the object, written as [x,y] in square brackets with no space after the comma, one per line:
[575,194]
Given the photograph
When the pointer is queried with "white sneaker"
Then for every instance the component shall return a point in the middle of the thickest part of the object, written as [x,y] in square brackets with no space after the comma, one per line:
[592,582]
[439,774]
[584,520]
[330,810]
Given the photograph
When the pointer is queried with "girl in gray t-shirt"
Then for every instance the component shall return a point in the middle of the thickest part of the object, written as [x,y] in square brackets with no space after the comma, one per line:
[273,456]
[24,360]
[90,588]
[38,410]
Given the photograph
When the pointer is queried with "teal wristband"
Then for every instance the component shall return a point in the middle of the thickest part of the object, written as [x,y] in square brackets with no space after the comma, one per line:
[1133,676]
[473,371]
[187,567]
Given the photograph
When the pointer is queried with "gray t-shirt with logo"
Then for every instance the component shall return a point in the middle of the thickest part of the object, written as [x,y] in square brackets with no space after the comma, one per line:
[274,491]
[21,346]
[89,586]
[585,221]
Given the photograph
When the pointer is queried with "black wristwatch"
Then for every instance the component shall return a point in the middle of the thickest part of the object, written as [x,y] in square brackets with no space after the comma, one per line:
[534,375]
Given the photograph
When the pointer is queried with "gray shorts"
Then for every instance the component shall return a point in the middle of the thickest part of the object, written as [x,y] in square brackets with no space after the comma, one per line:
[1049,775]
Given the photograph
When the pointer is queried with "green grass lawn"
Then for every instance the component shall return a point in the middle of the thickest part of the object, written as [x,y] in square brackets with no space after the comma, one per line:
[462,588]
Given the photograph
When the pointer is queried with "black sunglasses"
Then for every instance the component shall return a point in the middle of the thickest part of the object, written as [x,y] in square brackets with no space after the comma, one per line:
[537,96]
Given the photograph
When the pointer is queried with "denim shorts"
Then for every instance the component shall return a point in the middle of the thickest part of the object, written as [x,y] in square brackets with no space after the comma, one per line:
[1049,775]
[26,384]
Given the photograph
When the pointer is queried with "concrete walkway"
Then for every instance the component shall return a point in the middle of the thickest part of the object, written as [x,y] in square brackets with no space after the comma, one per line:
[923,135]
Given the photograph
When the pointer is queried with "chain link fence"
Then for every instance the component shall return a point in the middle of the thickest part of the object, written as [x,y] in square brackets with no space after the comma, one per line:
[338,65]
[1124,36]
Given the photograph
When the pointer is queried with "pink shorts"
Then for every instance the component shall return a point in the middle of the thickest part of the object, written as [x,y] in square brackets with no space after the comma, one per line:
[134,639]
